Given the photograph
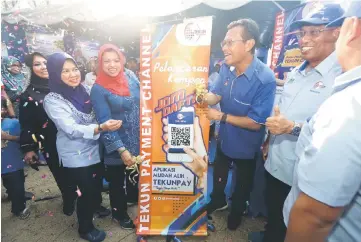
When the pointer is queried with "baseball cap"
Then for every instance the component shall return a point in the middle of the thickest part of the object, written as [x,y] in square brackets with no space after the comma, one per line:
[354,9]
[322,15]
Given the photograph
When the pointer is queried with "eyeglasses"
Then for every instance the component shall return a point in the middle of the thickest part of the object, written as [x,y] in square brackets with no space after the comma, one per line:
[67,72]
[313,33]
[229,43]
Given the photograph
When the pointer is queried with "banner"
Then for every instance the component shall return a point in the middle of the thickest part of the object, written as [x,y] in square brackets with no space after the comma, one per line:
[285,50]
[173,184]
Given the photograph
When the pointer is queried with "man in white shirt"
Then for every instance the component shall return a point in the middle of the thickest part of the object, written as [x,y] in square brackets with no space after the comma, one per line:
[306,88]
[325,200]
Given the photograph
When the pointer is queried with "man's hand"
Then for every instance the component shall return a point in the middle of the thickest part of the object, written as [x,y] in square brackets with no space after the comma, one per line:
[278,124]
[214,114]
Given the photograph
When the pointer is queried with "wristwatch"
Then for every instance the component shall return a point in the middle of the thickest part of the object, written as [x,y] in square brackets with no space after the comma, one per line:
[100,128]
[296,129]
[224,118]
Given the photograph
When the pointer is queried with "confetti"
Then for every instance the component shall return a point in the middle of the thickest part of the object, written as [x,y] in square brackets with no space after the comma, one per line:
[41,101]
[47,155]
[50,213]
[87,101]
[78,192]
[110,234]
[9,166]
[110,38]
[115,209]
[90,157]
[41,136]
[79,152]
[34,138]
[220,179]
[43,176]
[25,104]
[31,99]
[36,103]
[94,175]
[40,147]
[45,125]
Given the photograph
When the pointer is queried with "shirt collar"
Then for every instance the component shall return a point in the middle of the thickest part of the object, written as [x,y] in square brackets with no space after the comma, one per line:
[324,67]
[348,78]
[249,71]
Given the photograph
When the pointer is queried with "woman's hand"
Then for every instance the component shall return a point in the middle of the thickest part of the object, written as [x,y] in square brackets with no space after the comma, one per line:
[111,125]
[127,158]
[31,158]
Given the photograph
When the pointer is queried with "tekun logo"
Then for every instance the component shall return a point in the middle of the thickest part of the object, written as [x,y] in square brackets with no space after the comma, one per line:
[192,32]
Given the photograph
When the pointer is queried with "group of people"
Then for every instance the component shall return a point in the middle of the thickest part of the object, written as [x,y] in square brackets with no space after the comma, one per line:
[312,149]
[309,139]
[85,132]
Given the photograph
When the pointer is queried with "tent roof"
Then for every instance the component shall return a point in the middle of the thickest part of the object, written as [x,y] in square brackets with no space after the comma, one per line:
[53,11]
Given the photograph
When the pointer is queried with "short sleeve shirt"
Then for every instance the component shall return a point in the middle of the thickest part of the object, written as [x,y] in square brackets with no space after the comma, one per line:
[11,156]
[303,93]
[250,94]
[329,168]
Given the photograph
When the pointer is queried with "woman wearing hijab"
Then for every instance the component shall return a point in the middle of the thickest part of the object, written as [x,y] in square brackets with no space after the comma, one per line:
[115,95]
[38,132]
[14,80]
[68,105]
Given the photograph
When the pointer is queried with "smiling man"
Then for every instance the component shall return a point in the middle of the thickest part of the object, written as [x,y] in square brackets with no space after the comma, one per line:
[325,201]
[306,87]
[245,90]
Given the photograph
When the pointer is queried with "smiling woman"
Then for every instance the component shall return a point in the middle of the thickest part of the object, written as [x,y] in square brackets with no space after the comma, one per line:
[14,80]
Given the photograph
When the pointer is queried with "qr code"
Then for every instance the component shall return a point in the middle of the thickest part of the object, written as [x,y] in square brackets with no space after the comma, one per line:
[180,136]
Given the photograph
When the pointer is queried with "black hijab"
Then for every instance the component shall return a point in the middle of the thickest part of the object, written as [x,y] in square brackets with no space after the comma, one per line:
[39,87]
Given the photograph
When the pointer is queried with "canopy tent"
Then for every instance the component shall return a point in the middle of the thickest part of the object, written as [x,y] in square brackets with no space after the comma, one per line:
[120,21]
[53,11]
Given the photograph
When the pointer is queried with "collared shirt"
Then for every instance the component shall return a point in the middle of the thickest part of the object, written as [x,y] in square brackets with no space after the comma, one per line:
[303,93]
[329,168]
[250,94]
[76,143]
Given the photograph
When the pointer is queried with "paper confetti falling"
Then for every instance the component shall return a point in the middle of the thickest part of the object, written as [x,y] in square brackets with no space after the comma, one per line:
[87,101]
[34,138]
[9,166]
[45,125]
[30,99]
[47,155]
[36,103]
[25,104]
[94,175]
[110,234]
[43,176]
[78,192]
[41,136]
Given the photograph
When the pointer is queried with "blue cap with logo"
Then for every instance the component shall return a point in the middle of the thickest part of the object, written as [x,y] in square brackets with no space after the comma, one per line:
[324,15]
[353,10]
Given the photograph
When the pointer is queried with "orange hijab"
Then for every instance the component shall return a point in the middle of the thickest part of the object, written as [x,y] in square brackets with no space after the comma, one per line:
[118,84]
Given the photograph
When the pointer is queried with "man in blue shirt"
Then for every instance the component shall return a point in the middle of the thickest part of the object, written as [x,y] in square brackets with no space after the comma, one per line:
[325,200]
[245,90]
